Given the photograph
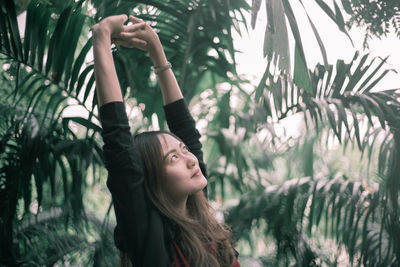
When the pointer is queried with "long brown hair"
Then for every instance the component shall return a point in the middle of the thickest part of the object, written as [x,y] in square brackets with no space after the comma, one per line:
[197,229]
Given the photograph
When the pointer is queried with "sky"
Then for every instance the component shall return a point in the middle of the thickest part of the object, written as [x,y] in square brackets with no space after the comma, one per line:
[252,64]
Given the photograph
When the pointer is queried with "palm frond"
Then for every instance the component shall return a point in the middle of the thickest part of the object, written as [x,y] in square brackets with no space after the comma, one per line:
[47,67]
[276,41]
[341,97]
[197,40]
[43,242]
[347,212]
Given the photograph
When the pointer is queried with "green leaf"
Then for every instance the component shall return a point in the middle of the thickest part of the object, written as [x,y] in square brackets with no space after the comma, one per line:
[301,75]
[15,38]
[341,114]
[277,93]
[261,86]
[84,122]
[356,128]
[376,107]
[53,61]
[332,121]
[78,64]
[337,18]
[364,102]
[82,78]
[347,6]
[255,7]
[89,88]
[342,71]
[42,36]
[29,28]
[54,101]
[357,75]
[73,32]
[319,40]
[276,42]
[372,85]
[362,88]
[4,44]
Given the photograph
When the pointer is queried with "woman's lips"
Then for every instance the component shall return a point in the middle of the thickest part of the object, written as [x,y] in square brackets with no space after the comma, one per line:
[197,173]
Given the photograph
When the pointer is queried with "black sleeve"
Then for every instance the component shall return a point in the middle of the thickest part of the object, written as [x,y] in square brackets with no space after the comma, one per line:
[140,227]
[182,124]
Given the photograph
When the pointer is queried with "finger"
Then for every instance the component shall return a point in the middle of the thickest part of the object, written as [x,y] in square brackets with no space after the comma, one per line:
[128,35]
[134,19]
[139,42]
[135,27]
[119,42]
[124,43]
[122,18]
[133,43]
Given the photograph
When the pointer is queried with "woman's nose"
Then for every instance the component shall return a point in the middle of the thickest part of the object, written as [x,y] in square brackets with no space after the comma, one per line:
[191,160]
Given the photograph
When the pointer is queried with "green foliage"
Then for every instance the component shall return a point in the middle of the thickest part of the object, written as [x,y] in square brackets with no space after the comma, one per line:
[47,240]
[378,17]
[276,40]
[42,155]
[334,207]
[47,155]
[197,40]
[341,106]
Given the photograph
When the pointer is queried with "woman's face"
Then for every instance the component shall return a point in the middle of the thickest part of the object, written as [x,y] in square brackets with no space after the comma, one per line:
[183,174]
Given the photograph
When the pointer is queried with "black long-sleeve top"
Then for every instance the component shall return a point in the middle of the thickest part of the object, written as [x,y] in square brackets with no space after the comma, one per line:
[142,231]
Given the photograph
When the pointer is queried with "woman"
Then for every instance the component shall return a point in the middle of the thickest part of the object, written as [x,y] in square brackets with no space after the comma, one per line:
[156,178]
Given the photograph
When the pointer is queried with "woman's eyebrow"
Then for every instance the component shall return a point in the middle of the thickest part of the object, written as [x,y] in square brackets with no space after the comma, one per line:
[169,152]
[172,150]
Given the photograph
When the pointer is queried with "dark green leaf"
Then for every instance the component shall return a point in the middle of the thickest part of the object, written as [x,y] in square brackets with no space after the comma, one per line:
[301,75]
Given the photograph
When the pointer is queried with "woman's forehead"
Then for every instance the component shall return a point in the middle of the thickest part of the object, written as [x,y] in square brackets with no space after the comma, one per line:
[168,141]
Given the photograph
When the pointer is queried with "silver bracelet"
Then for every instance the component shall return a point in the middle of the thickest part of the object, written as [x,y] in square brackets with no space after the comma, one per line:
[157,70]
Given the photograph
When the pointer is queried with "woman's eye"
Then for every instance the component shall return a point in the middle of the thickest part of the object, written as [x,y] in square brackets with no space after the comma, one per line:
[174,157]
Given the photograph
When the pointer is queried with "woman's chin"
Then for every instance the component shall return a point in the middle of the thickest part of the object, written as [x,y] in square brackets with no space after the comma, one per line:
[204,182]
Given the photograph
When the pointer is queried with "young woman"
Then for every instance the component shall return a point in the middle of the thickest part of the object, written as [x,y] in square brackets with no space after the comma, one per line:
[156,178]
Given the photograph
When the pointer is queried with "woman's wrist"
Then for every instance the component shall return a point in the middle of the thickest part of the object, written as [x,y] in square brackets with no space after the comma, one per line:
[157,55]
[100,31]
[160,69]
[160,61]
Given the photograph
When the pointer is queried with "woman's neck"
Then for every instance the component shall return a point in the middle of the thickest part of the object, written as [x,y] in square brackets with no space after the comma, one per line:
[181,207]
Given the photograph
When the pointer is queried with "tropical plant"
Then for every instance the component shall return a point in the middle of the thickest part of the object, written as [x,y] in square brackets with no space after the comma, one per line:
[45,238]
[343,106]
[280,17]
[378,17]
[42,156]
[338,102]
[46,154]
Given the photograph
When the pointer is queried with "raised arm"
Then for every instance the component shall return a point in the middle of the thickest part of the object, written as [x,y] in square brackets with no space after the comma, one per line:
[169,86]
[107,85]
[178,117]
[134,213]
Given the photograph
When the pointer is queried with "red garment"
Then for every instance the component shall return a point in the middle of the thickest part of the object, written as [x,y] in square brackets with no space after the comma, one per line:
[180,260]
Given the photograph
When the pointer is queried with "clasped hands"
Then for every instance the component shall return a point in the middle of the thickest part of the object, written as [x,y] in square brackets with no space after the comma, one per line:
[138,34]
